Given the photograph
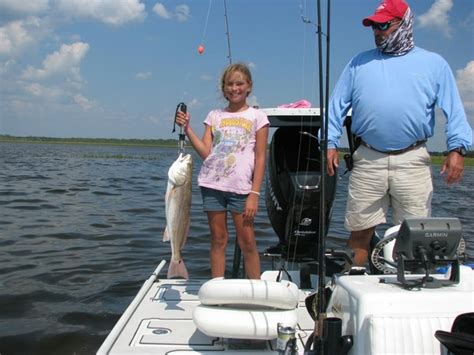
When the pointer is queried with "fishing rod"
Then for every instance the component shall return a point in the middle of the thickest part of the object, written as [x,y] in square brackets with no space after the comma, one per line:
[227,32]
[237,258]
[318,343]
[229,55]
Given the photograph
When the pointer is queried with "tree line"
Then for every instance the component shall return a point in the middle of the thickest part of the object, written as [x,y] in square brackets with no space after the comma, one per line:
[109,141]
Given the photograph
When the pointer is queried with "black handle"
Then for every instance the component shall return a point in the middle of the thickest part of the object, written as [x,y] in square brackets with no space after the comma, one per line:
[181,107]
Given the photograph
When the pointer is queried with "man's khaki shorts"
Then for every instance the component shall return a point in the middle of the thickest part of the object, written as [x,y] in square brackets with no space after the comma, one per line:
[379,181]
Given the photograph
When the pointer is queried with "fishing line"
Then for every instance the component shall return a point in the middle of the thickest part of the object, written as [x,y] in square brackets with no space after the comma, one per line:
[307,21]
[292,258]
[305,133]
[304,18]
[201,45]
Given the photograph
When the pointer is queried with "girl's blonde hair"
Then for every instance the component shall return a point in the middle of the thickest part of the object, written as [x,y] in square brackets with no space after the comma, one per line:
[237,67]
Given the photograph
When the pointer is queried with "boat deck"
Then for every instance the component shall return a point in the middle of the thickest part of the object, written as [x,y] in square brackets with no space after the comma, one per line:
[163,324]
[382,317]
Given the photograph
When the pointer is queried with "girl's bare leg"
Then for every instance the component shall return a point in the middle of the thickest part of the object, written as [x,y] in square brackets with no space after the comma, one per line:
[219,236]
[248,245]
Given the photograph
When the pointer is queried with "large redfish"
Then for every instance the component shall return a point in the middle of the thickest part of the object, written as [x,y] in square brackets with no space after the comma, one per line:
[178,206]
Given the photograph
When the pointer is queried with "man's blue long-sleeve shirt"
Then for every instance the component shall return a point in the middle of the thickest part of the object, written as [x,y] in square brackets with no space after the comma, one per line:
[393,100]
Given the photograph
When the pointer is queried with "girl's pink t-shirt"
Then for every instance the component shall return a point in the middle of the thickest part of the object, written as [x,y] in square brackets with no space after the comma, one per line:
[229,166]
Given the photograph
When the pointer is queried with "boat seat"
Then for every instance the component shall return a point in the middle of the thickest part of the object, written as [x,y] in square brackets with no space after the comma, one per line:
[461,338]
[244,292]
[242,323]
[246,309]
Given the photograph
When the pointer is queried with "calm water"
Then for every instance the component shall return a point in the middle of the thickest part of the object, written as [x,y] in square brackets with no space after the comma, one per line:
[81,229]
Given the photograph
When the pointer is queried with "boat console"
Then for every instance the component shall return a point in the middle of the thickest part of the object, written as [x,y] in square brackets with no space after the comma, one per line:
[400,311]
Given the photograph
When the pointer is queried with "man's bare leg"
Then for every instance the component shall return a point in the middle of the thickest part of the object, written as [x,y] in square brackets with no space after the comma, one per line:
[359,242]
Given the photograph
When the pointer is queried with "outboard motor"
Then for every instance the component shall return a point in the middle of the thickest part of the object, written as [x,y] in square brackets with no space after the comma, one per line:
[293,191]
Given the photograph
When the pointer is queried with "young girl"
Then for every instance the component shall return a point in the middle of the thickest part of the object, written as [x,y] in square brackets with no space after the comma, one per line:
[233,148]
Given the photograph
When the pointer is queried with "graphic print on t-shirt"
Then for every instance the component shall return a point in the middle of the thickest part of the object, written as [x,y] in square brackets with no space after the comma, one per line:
[231,137]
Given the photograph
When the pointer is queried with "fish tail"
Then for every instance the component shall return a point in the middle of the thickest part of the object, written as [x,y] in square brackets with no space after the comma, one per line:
[177,269]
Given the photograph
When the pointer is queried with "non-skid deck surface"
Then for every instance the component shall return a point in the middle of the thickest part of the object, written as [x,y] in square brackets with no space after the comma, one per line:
[163,324]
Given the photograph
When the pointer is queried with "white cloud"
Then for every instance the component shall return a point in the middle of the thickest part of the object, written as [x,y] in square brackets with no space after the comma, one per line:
[154,119]
[181,13]
[84,102]
[24,7]
[143,75]
[437,17]
[42,91]
[194,103]
[5,66]
[111,12]
[465,80]
[161,11]
[56,97]
[468,21]
[253,101]
[15,36]
[65,62]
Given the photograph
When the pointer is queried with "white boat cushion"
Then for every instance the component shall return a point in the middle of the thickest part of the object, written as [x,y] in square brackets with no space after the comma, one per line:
[258,293]
[238,323]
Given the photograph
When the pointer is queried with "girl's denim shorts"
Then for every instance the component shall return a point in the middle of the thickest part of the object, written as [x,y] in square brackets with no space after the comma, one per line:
[216,200]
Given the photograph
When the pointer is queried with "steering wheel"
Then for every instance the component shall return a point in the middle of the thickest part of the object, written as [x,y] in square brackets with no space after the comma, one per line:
[380,262]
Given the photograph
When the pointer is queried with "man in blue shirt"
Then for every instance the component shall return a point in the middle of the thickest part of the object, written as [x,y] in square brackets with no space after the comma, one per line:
[392,91]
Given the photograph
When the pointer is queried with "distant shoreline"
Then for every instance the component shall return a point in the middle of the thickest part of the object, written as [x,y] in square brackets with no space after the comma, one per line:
[91,141]
[437,158]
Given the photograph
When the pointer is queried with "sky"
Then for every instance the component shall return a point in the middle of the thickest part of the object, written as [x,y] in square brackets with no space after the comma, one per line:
[118,68]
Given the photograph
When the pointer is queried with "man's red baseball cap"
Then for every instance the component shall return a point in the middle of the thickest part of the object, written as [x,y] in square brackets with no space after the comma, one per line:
[387,10]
